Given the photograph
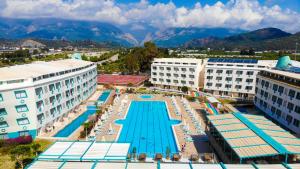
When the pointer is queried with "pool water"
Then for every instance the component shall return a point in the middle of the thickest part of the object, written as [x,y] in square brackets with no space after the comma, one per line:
[75,124]
[103,97]
[148,128]
[146,96]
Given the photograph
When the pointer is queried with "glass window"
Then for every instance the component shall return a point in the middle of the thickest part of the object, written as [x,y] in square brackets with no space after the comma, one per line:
[23,121]
[249,87]
[228,79]
[275,87]
[250,72]
[219,85]
[1,98]
[219,71]
[3,124]
[20,94]
[209,77]
[296,123]
[23,133]
[298,96]
[290,106]
[238,79]
[239,72]
[238,86]
[3,136]
[280,89]
[191,76]
[22,108]
[297,109]
[3,111]
[249,80]
[228,71]
[218,78]
[292,93]
[227,86]
[208,84]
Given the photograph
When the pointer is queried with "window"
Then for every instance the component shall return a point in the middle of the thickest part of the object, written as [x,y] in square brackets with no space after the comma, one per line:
[183,82]
[298,96]
[250,73]
[275,87]
[209,71]
[22,108]
[3,111]
[183,75]
[219,85]
[292,93]
[191,82]
[238,86]
[23,133]
[289,119]
[176,69]
[154,67]
[209,77]
[280,89]
[229,72]
[154,79]
[176,75]
[290,106]
[279,101]
[297,109]
[161,74]
[168,68]
[227,86]
[273,109]
[191,76]
[3,124]
[208,84]
[183,69]
[249,80]
[249,87]
[296,123]
[3,136]
[175,81]
[168,74]
[192,69]
[228,79]
[168,80]
[218,78]
[23,121]
[219,71]
[239,72]
[1,98]
[161,68]
[20,94]
[274,98]
[238,79]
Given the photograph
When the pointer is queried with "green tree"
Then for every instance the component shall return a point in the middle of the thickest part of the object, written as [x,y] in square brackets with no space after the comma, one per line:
[36,148]
[184,89]
[20,153]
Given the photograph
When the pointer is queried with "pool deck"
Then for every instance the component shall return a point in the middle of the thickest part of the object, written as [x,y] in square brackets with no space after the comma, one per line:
[71,116]
[191,147]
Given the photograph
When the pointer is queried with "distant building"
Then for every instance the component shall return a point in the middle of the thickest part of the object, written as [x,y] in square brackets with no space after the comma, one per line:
[174,73]
[35,96]
[278,93]
[31,44]
[233,78]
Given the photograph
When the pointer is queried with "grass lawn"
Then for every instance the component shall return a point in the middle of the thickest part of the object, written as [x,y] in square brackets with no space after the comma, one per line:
[5,161]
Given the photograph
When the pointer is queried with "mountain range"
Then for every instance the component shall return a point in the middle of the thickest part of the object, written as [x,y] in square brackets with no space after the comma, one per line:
[62,30]
[261,39]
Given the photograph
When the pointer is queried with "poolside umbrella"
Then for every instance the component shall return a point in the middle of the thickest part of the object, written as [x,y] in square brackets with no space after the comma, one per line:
[110,127]
[103,139]
[184,122]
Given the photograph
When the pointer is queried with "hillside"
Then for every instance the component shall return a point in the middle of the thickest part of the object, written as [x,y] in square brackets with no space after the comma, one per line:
[262,39]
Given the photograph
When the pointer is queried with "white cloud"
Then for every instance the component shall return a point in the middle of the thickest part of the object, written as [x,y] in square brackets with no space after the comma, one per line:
[244,14]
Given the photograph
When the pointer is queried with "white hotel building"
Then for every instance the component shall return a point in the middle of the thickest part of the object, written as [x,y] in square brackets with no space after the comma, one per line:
[34,96]
[174,73]
[234,78]
[278,95]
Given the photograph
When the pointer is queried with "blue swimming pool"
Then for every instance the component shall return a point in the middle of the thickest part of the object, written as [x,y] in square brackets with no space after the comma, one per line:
[103,97]
[146,96]
[75,124]
[148,128]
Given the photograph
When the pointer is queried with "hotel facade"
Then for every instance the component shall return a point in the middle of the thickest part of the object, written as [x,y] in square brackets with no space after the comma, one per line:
[233,78]
[174,73]
[35,96]
[278,96]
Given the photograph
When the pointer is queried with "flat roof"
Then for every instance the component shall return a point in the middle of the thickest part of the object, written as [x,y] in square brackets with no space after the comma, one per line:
[39,68]
[181,60]
[254,136]
[229,60]
[85,150]
[289,74]
[149,165]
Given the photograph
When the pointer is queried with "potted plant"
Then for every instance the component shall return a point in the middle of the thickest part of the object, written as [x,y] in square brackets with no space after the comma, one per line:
[158,157]
[142,157]
[176,157]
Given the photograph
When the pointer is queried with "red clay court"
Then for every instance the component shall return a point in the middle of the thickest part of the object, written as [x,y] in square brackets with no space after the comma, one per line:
[121,79]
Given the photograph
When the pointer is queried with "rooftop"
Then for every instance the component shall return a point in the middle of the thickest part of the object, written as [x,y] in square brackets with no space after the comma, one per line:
[227,60]
[253,136]
[136,165]
[185,60]
[39,68]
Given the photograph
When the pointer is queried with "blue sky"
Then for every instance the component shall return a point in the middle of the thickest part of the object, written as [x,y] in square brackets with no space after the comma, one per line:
[291,4]
[161,14]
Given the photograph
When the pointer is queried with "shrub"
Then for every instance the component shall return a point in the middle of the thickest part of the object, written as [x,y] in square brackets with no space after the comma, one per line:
[142,157]
[19,140]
